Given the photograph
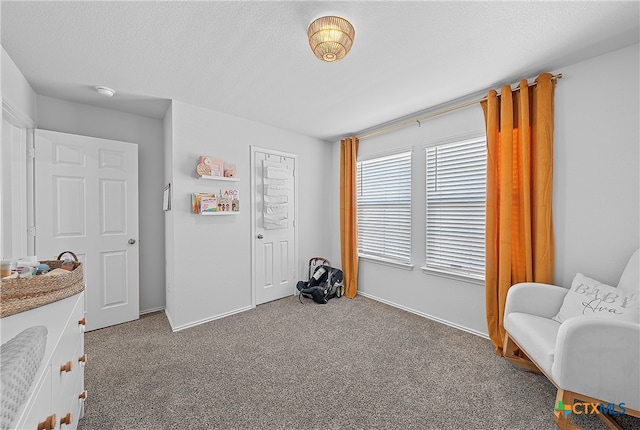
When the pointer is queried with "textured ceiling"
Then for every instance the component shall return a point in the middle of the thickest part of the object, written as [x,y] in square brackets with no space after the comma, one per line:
[252,59]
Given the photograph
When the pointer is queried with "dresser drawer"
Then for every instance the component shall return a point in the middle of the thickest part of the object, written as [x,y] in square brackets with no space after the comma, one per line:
[64,364]
[67,373]
[67,399]
[40,408]
[65,342]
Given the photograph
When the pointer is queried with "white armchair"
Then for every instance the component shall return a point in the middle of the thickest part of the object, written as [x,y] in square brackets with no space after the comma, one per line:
[588,358]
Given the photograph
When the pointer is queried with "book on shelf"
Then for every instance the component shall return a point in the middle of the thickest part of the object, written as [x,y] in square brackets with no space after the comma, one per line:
[224,204]
[225,201]
[231,200]
[234,194]
[196,202]
[208,204]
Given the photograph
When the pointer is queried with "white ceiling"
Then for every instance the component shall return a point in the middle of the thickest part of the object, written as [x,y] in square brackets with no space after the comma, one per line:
[252,59]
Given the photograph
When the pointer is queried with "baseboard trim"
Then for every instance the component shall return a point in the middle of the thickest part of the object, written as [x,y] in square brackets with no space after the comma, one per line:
[206,320]
[168,315]
[149,311]
[422,314]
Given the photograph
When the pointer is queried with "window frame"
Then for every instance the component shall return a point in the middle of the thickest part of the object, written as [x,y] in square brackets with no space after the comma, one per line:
[381,258]
[438,270]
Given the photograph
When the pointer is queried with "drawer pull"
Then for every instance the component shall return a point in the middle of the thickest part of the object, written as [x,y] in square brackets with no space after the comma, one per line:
[48,424]
[83,359]
[83,395]
[66,419]
[66,367]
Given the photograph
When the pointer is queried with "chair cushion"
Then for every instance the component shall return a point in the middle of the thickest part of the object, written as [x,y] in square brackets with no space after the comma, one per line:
[536,335]
[590,297]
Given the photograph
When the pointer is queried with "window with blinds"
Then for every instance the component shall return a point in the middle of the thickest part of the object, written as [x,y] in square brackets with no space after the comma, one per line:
[456,196]
[384,208]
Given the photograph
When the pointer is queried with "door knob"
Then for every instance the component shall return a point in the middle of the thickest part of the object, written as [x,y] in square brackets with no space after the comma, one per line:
[260,236]
[132,241]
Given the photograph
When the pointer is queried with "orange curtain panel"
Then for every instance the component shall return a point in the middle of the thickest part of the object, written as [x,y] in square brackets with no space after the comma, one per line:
[519,230]
[349,215]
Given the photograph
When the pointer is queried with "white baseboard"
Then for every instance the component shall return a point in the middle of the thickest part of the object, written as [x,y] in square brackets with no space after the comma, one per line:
[168,315]
[205,320]
[148,311]
[422,314]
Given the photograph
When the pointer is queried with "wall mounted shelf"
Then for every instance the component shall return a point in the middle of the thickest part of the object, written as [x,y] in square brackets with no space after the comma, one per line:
[218,213]
[226,202]
[220,178]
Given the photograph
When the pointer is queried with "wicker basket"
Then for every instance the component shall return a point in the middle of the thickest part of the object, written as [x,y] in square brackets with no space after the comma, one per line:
[21,294]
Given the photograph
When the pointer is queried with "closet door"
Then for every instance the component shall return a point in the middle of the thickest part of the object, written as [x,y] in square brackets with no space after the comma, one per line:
[274,213]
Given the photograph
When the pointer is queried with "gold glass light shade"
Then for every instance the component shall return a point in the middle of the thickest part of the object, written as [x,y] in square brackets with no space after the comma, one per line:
[331,37]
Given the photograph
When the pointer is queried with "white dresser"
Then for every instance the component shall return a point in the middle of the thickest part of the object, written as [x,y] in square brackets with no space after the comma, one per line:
[57,395]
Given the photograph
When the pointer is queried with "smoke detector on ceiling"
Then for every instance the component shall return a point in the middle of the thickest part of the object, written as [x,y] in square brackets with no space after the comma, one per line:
[105,91]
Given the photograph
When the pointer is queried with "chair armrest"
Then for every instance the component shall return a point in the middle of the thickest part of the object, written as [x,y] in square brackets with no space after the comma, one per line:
[543,300]
[599,357]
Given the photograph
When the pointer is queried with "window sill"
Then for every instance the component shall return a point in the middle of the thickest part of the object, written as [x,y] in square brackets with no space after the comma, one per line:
[455,276]
[387,262]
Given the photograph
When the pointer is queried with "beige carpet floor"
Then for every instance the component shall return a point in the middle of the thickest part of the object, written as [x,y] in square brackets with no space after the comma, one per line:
[349,364]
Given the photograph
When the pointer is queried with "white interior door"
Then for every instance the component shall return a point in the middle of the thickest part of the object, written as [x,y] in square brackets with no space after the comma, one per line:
[274,217]
[87,202]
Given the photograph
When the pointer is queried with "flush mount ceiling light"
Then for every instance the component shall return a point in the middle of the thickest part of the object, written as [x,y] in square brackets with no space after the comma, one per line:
[105,91]
[331,37]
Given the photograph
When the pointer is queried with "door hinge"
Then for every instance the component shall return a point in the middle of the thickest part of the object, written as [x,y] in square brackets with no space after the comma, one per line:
[31,231]
[31,152]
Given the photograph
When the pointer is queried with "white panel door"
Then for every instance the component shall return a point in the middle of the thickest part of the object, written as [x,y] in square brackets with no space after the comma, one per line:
[87,202]
[274,207]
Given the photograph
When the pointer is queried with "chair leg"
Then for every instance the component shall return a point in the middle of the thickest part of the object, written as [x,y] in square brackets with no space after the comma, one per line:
[568,398]
[508,351]
[562,420]
[609,422]
[509,347]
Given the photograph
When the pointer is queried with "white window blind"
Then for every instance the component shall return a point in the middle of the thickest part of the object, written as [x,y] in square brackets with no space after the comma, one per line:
[384,207]
[456,195]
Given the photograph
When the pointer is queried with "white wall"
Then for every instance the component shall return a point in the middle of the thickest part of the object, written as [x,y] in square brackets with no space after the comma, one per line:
[75,118]
[16,90]
[59,115]
[209,273]
[436,297]
[597,164]
[596,190]
[20,113]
